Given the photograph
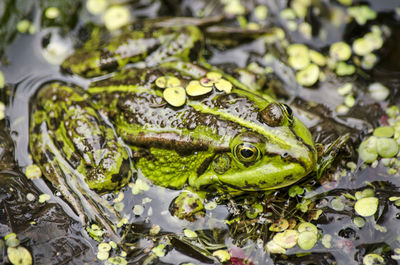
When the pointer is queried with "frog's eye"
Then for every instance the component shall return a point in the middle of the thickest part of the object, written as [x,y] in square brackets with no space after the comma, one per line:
[247,153]
[272,115]
[288,111]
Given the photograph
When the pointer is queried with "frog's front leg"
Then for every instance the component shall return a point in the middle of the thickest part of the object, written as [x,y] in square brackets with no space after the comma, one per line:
[78,152]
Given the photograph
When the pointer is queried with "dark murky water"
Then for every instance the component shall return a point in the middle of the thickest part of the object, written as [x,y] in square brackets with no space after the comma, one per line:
[57,236]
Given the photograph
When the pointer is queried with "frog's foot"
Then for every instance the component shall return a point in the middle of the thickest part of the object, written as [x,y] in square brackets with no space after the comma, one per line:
[188,206]
[88,205]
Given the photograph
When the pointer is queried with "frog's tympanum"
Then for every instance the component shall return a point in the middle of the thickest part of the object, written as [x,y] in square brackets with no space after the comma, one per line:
[223,137]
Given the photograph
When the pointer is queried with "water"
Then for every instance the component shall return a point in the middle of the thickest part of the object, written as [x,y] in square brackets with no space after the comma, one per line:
[27,71]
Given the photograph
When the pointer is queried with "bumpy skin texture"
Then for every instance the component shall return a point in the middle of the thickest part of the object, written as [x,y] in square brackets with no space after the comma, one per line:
[67,128]
[172,144]
[206,142]
[78,152]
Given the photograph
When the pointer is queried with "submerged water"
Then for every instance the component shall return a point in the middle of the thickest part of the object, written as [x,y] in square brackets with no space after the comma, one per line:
[57,227]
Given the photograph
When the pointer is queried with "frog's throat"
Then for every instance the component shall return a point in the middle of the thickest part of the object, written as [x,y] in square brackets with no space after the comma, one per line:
[269,176]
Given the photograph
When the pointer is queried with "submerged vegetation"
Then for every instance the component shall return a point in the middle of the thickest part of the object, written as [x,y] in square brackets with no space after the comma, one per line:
[335,63]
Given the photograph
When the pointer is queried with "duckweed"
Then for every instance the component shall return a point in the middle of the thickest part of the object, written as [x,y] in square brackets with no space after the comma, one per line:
[366,206]
[359,221]
[95,232]
[275,248]
[307,240]
[349,101]
[345,89]
[261,12]
[369,61]
[96,7]
[189,233]
[384,131]
[337,204]
[138,186]
[298,56]
[340,51]
[286,239]
[378,91]
[317,58]
[119,206]
[210,206]
[214,76]
[254,210]
[33,172]
[167,81]
[103,255]
[326,241]
[19,256]
[361,13]
[279,226]
[44,197]
[154,230]
[362,46]
[373,259]
[224,85]
[2,81]
[308,76]
[367,150]
[52,12]
[159,250]
[194,88]
[222,255]
[11,240]
[343,69]
[387,147]
[175,96]
[23,26]
[138,209]
[307,227]
[116,17]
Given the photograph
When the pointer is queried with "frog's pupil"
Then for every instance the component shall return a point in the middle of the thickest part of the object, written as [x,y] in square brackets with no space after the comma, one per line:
[289,110]
[246,153]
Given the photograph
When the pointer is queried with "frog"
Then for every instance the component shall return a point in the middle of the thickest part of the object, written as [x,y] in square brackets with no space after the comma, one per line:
[92,141]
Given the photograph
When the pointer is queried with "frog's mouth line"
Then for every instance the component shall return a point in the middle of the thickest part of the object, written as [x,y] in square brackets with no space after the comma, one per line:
[255,187]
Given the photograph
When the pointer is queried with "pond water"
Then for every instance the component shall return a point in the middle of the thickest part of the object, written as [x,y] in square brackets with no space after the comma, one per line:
[239,40]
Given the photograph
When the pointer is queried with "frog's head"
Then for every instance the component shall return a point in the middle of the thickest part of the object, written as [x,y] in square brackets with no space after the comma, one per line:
[276,152]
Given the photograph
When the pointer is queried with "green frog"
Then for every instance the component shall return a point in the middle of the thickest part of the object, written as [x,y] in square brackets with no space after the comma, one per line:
[90,142]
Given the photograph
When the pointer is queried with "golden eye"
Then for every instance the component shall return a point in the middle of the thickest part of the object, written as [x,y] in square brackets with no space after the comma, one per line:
[288,111]
[247,153]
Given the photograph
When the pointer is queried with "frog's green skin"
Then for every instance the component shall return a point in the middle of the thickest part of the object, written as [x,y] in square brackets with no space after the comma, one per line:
[173,145]
[76,150]
[197,144]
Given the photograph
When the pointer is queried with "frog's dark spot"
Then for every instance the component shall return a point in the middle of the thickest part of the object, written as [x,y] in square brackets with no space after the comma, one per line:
[289,178]
[124,172]
[74,160]
[107,61]
[234,104]
[46,157]
[37,129]
[194,52]
[59,144]
[203,167]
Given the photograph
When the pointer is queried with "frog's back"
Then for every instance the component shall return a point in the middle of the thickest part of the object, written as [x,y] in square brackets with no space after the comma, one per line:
[203,127]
